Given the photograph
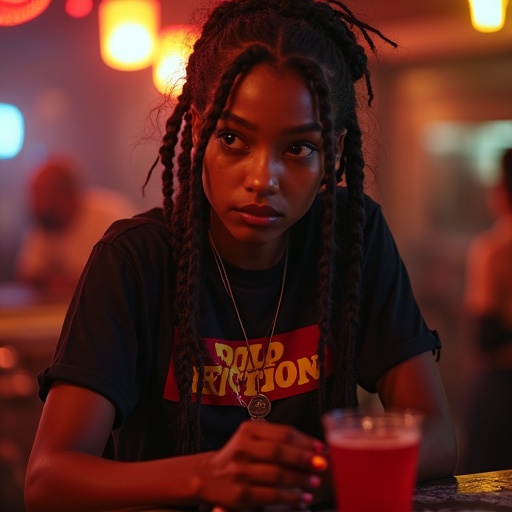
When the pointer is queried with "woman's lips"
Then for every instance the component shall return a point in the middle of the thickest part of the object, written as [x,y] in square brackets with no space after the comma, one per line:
[256,215]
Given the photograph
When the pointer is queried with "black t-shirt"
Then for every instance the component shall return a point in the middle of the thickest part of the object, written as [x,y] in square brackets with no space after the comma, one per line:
[118,334]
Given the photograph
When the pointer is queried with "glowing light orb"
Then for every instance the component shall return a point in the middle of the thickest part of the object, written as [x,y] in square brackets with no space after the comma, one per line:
[12,130]
[488,15]
[16,12]
[78,8]
[175,46]
[128,33]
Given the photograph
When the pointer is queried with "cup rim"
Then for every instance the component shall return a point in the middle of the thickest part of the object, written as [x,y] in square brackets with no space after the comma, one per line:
[416,416]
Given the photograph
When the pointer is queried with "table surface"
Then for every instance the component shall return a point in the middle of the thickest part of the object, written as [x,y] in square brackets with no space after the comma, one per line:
[477,492]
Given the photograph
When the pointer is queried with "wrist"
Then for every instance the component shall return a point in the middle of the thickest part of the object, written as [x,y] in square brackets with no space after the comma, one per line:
[199,479]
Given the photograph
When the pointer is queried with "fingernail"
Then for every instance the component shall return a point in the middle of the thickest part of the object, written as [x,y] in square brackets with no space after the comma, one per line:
[318,462]
[306,497]
[314,481]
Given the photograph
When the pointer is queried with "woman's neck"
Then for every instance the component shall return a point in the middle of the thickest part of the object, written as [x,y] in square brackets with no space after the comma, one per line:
[249,255]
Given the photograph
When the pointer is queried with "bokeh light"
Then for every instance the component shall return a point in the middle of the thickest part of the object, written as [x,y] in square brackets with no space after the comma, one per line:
[488,15]
[78,8]
[12,130]
[174,48]
[16,12]
[128,33]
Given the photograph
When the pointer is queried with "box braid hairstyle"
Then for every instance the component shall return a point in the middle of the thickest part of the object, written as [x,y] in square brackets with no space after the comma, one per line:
[316,40]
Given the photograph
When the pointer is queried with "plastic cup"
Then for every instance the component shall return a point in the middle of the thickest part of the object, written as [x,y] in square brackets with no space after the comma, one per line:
[374,458]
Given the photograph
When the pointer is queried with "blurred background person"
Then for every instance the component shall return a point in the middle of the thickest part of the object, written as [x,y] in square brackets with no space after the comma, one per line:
[488,304]
[68,218]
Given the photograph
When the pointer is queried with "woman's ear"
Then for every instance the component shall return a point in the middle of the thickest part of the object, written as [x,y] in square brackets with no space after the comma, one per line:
[339,147]
[197,121]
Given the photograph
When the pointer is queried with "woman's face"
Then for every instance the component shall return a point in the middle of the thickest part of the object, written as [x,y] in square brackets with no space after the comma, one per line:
[263,164]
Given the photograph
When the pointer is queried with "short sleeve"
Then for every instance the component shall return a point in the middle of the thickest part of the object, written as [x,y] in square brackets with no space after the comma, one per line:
[392,327]
[107,339]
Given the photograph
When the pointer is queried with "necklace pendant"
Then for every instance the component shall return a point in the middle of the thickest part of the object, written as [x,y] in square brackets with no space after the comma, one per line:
[259,407]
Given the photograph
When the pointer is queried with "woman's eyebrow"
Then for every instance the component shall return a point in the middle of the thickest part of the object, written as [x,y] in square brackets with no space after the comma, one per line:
[303,128]
[307,127]
[229,116]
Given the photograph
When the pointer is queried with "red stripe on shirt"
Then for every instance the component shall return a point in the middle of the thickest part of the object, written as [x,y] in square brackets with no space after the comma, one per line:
[290,368]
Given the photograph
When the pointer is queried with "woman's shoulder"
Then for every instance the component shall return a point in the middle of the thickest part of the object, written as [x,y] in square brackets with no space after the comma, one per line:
[372,208]
[143,237]
[149,223]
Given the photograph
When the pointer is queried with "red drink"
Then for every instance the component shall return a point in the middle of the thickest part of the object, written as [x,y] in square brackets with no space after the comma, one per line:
[374,464]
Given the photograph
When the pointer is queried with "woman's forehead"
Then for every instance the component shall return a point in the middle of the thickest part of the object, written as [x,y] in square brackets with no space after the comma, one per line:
[279,92]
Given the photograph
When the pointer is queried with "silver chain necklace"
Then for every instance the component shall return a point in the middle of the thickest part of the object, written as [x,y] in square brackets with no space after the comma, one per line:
[259,405]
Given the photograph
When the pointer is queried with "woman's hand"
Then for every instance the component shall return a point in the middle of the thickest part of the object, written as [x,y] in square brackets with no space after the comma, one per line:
[263,464]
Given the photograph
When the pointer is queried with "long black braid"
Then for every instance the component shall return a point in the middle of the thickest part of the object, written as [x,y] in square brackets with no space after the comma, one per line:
[316,40]
[313,73]
[188,268]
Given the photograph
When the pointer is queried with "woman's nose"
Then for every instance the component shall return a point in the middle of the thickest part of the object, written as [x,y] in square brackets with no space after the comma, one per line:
[262,174]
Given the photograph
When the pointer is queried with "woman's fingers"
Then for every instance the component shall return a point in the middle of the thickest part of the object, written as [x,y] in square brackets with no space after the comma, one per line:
[278,476]
[283,455]
[265,464]
[249,497]
[281,445]
[279,434]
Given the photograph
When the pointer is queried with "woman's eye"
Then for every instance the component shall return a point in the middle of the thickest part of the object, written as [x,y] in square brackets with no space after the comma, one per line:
[301,150]
[231,141]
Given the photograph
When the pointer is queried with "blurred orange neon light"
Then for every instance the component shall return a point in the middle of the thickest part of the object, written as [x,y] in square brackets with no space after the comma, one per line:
[128,32]
[488,15]
[16,12]
[78,8]
[175,46]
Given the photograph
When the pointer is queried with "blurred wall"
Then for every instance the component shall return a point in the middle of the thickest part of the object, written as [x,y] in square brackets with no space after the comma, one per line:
[436,206]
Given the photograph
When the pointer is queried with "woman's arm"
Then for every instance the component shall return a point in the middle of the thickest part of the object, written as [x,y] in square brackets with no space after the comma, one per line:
[261,464]
[416,383]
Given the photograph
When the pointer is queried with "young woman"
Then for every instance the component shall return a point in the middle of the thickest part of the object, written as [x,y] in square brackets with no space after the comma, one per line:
[261,290]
